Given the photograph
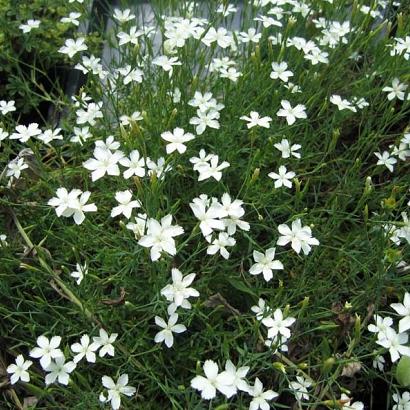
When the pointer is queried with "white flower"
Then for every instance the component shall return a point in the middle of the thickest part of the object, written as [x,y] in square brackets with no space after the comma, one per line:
[299,237]
[89,114]
[138,227]
[123,15]
[278,325]
[394,342]
[24,133]
[280,70]
[213,381]
[84,349]
[379,362]
[255,119]
[7,106]
[166,335]
[81,135]
[261,310]
[59,370]
[381,326]
[15,167]
[397,90]
[129,119]
[290,113]
[179,291]
[72,47]
[201,161]
[299,388]
[342,104]
[104,162]
[403,309]
[131,37]
[19,371]
[283,178]
[135,165]
[126,205]
[50,135]
[208,215]
[158,168]
[265,263]
[226,9]
[205,119]
[115,390]
[221,36]
[231,74]
[213,169]
[260,397]
[47,350]
[79,206]
[386,159]
[287,150]
[219,244]
[235,212]
[402,402]
[176,140]
[160,237]
[104,343]
[166,63]
[29,25]
[80,272]
[250,36]
[72,18]
[131,74]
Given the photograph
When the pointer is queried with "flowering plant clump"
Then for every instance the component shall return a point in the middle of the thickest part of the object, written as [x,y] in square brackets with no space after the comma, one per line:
[216,216]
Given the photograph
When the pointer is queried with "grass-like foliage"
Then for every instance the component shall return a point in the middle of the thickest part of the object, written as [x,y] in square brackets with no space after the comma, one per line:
[217,218]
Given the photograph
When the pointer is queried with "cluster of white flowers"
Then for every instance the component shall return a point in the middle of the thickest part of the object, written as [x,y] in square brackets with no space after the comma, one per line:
[387,337]
[400,151]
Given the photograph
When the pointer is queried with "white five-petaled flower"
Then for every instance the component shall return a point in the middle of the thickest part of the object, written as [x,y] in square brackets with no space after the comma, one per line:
[104,162]
[15,167]
[7,106]
[72,47]
[397,90]
[260,397]
[402,402]
[214,381]
[160,237]
[221,36]
[166,335]
[386,159]
[280,70]
[277,325]
[299,388]
[265,263]
[283,178]
[47,350]
[403,309]
[290,113]
[179,291]
[205,119]
[255,119]
[381,326]
[104,342]
[114,390]
[79,274]
[235,212]
[135,164]
[84,349]
[166,63]
[19,371]
[59,370]
[220,243]
[29,25]
[287,149]
[176,140]
[342,104]
[299,237]
[209,215]
[213,169]
[394,342]
[126,205]
[24,133]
